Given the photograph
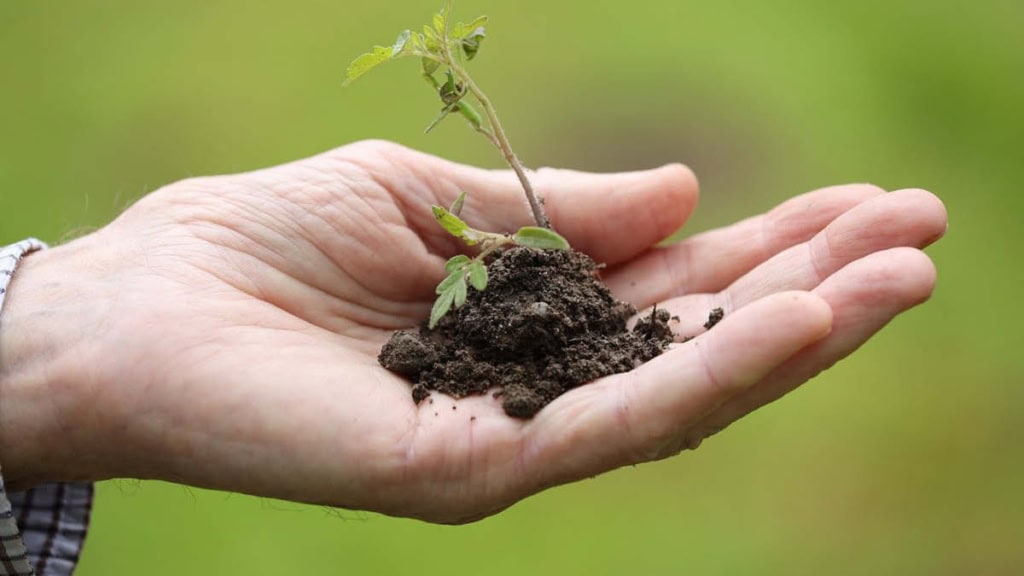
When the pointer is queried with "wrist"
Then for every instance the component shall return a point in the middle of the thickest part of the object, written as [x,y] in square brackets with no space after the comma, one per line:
[43,343]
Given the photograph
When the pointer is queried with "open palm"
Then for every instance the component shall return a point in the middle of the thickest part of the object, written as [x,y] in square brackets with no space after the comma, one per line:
[233,325]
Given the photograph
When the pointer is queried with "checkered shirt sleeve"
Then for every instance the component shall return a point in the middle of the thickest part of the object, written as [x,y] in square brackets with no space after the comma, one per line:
[53,518]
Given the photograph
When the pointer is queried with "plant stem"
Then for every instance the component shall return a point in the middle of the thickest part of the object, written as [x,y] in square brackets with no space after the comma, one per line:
[500,139]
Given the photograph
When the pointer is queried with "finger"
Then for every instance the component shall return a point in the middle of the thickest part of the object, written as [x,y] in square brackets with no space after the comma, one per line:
[864,297]
[643,414]
[913,218]
[710,261]
[611,217]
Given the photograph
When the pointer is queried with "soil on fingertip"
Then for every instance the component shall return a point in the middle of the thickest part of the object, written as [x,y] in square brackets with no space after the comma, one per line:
[544,325]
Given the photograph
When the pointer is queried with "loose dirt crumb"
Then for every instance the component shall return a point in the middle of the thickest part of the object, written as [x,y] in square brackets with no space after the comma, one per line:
[714,317]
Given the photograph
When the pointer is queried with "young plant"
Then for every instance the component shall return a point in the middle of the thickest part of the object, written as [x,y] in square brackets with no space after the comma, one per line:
[452,291]
[443,49]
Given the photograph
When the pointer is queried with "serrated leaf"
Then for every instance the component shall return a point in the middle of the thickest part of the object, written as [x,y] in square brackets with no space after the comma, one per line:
[457,205]
[450,222]
[367,62]
[478,275]
[441,307]
[439,23]
[460,291]
[542,238]
[456,262]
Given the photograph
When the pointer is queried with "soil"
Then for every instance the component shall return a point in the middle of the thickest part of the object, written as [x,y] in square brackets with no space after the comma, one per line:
[544,325]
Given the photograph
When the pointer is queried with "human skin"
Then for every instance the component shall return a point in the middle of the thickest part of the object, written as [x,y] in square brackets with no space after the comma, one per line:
[222,332]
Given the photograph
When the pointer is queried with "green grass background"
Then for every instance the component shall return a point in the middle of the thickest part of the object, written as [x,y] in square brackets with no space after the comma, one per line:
[904,459]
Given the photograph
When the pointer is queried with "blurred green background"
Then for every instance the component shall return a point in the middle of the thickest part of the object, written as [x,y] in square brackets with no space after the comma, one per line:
[905,459]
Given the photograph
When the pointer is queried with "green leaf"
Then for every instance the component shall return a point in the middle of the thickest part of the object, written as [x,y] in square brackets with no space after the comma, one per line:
[450,222]
[543,238]
[470,114]
[441,19]
[460,291]
[430,66]
[451,291]
[462,30]
[478,275]
[471,43]
[456,262]
[450,280]
[457,205]
[430,39]
[416,41]
[441,307]
[378,56]
[367,62]
[440,116]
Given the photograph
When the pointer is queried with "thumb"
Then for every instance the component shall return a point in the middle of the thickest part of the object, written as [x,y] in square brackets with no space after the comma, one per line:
[611,217]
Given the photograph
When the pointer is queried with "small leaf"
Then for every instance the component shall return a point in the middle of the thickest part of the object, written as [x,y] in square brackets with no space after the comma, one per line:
[470,114]
[416,41]
[462,30]
[430,39]
[478,275]
[400,42]
[471,43]
[440,116]
[367,62]
[457,205]
[456,227]
[450,222]
[441,307]
[450,280]
[430,66]
[460,291]
[456,262]
[441,19]
[543,238]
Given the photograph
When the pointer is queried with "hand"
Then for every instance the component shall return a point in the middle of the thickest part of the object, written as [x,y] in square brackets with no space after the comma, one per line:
[223,331]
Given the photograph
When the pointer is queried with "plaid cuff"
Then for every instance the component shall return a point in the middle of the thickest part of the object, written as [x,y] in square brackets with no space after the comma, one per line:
[53,517]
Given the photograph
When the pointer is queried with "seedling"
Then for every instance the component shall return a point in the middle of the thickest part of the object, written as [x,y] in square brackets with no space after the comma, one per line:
[444,48]
[452,290]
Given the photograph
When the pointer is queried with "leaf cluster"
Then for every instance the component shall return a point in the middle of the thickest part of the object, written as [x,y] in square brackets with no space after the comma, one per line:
[441,47]
[452,291]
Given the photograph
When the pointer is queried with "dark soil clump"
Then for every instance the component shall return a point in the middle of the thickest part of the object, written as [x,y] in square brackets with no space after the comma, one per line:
[544,325]
[714,318]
